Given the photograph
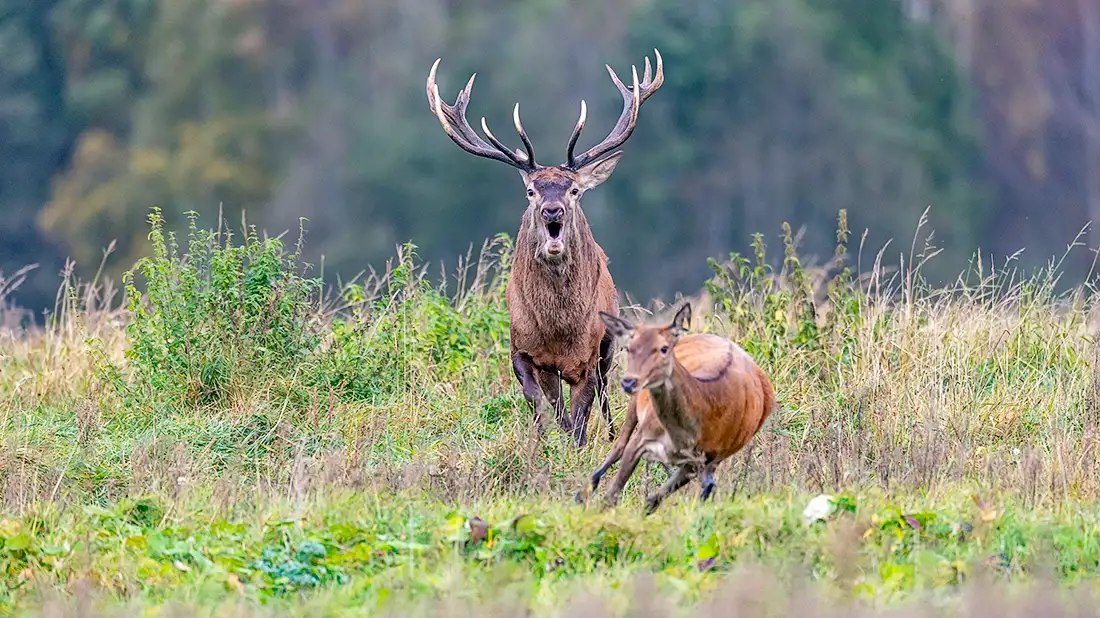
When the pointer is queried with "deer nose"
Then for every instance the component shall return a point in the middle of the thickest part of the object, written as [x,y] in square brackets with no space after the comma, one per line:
[629,385]
[552,214]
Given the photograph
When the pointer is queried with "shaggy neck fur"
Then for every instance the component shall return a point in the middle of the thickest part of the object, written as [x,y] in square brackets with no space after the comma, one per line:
[564,289]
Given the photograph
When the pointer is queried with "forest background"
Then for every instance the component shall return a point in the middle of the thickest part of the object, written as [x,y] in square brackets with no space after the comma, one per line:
[986,112]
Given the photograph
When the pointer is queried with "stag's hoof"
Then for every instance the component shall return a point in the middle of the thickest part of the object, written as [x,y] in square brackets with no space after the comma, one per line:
[581,496]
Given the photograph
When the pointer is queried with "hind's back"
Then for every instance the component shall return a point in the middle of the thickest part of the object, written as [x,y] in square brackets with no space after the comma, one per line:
[735,397]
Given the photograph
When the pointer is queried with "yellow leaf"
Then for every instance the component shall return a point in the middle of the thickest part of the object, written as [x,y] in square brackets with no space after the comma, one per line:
[9,528]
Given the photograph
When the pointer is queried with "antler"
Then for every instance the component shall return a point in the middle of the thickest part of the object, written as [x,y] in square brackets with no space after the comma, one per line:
[453,119]
[632,100]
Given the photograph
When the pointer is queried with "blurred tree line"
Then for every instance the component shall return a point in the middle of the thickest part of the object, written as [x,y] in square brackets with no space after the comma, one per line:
[772,110]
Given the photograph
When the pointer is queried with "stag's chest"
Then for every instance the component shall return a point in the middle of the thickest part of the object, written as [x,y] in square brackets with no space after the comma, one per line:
[555,301]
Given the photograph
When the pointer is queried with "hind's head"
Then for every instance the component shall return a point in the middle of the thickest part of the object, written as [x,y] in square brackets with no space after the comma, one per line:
[649,348]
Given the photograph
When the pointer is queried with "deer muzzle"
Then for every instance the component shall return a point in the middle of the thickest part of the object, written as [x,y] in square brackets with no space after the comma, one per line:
[553,213]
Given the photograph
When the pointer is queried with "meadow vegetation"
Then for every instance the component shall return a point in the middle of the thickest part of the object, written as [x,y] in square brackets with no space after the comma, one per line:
[225,435]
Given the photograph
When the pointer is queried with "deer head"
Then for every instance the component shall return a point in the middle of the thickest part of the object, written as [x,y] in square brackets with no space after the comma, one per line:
[553,192]
[649,353]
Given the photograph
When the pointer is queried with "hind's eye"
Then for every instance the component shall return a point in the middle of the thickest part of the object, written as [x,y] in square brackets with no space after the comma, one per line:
[530,193]
[664,349]
[575,191]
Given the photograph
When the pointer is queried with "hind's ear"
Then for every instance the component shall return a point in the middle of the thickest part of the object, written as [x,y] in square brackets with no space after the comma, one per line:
[617,326]
[682,321]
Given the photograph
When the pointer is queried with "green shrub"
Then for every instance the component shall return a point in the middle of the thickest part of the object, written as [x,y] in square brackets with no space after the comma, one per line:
[221,319]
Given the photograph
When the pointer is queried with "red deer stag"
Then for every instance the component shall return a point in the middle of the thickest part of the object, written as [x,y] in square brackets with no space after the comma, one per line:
[694,401]
[559,279]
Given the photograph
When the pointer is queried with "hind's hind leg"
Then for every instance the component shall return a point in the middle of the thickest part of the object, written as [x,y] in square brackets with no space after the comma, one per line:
[707,482]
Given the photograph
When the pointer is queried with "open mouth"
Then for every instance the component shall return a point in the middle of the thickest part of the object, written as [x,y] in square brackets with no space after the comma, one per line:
[554,230]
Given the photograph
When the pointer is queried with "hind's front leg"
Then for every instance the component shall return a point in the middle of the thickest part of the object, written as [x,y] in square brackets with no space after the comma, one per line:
[631,455]
[679,478]
[616,453]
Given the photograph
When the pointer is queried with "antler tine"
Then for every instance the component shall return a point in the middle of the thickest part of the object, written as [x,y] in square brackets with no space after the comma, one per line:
[523,135]
[453,120]
[637,92]
[516,154]
[649,87]
[569,159]
[633,97]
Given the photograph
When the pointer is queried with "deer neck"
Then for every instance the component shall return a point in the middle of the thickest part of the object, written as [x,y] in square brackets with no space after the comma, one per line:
[672,399]
[577,272]
[559,296]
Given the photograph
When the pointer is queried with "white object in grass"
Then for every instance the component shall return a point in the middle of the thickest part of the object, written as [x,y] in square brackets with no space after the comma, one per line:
[818,509]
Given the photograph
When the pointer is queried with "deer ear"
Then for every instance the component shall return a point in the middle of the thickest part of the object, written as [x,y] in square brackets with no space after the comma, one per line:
[526,177]
[682,321]
[617,326]
[593,174]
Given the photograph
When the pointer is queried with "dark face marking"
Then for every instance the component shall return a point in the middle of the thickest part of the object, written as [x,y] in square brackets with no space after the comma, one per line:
[554,195]
[552,189]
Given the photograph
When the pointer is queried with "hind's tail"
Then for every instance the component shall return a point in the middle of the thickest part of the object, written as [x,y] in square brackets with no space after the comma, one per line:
[769,396]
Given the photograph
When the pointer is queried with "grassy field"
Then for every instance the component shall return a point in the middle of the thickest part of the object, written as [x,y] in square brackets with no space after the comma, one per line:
[223,436]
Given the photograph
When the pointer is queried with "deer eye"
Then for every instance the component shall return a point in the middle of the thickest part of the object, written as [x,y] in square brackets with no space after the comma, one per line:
[530,193]
[664,349]
[575,191]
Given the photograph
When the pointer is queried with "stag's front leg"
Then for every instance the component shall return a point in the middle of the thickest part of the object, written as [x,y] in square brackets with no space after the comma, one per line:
[525,370]
[607,354]
[581,395]
[550,382]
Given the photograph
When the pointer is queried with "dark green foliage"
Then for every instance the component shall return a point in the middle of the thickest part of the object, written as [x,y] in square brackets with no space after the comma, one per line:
[792,110]
[290,570]
[771,112]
